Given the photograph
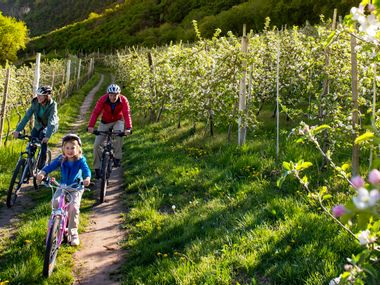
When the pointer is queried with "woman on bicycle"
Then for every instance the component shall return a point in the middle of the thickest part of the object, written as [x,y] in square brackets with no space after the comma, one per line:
[116,114]
[74,170]
[44,109]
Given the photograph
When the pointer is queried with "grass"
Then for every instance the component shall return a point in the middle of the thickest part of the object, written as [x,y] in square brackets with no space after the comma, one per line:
[205,212]
[21,254]
[199,211]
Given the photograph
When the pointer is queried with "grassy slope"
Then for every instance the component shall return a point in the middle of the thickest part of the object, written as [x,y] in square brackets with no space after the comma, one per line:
[204,212]
[153,23]
[21,256]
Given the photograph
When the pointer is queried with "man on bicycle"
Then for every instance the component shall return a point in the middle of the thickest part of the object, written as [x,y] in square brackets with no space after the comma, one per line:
[44,109]
[116,114]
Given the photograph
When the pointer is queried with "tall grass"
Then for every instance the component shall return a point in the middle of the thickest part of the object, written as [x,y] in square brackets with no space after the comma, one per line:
[205,212]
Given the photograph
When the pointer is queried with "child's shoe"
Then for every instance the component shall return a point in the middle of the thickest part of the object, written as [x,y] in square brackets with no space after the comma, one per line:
[75,240]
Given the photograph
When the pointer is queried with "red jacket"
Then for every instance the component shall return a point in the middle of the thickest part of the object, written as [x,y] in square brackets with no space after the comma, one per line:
[103,106]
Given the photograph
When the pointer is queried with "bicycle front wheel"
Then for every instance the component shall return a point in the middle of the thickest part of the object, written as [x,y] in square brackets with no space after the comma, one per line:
[52,246]
[104,178]
[16,182]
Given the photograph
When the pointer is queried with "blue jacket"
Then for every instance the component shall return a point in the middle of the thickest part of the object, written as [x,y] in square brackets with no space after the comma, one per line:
[71,171]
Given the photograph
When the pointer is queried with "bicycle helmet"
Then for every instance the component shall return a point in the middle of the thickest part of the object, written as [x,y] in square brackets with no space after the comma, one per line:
[44,90]
[113,88]
[71,137]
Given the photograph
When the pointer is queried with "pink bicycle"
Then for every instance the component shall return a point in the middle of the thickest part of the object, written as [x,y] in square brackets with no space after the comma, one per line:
[58,223]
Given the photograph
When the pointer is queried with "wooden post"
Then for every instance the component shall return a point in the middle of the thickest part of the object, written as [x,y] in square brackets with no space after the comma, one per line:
[52,79]
[277,101]
[37,73]
[68,70]
[78,76]
[153,91]
[243,90]
[4,104]
[373,119]
[355,107]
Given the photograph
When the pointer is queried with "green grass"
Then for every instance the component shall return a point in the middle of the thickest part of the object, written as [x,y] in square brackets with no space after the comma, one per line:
[205,212]
[21,254]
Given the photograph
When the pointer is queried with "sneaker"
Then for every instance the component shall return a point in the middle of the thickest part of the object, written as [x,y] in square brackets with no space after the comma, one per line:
[75,240]
[116,162]
[97,173]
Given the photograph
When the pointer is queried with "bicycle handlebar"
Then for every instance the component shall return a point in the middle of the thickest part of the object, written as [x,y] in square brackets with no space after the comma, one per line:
[51,182]
[30,138]
[115,133]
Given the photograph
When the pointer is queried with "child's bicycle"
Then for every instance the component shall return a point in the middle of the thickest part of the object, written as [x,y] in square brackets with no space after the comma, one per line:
[107,159]
[26,168]
[58,223]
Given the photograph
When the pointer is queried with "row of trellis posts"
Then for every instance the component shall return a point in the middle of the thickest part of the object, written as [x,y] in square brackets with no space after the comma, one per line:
[67,86]
[245,96]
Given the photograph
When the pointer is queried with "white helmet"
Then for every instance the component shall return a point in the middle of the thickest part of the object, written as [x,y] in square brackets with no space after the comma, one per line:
[113,88]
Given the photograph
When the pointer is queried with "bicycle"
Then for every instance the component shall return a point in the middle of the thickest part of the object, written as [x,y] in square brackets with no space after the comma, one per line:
[26,168]
[58,223]
[106,160]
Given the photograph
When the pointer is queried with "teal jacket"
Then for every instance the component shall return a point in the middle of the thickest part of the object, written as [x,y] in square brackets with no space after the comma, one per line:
[48,120]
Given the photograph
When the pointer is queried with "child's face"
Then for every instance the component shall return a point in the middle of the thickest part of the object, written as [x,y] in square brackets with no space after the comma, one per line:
[71,149]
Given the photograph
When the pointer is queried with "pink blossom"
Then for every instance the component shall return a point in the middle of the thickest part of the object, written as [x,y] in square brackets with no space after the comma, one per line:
[338,211]
[374,177]
[357,182]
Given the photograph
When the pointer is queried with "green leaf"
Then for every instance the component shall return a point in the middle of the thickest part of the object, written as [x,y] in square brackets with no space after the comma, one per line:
[368,135]
[328,196]
[321,128]
[330,39]
[287,165]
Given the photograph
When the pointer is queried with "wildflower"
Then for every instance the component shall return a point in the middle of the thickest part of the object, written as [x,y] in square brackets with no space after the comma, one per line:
[334,281]
[357,182]
[338,211]
[365,237]
[374,177]
[366,199]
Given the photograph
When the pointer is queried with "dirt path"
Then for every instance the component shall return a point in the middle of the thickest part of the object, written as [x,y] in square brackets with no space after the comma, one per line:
[99,256]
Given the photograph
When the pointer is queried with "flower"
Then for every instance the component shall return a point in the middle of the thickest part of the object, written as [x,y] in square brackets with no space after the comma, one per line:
[374,177]
[357,182]
[338,211]
[334,281]
[365,238]
[366,199]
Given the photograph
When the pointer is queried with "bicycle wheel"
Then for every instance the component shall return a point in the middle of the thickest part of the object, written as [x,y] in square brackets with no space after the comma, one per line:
[103,178]
[52,246]
[16,182]
[35,171]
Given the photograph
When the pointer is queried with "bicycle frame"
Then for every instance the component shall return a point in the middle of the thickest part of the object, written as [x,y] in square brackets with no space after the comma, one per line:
[107,158]
[57,225]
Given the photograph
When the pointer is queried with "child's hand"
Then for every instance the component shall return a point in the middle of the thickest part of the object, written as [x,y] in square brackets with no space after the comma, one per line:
[86,181]
[40,176]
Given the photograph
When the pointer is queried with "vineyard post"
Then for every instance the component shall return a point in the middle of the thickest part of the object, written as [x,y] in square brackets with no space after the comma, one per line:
[242,94]
[68,70]
[355,107]
[37,73]
[52,79]
[373,119]
[277,100]
[78,76]
[3,106]
[153,91]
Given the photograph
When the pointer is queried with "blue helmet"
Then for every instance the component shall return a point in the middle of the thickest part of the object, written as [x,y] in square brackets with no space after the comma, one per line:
[113,88]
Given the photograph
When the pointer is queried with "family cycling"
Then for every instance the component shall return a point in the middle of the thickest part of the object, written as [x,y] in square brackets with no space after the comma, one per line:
[75,174]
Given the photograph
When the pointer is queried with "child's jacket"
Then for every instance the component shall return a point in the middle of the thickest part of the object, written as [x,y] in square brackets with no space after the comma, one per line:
[71,171]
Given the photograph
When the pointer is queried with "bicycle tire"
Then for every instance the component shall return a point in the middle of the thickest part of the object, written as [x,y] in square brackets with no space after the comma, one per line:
[103,178]
[16,182]
[52,246]
[35,171]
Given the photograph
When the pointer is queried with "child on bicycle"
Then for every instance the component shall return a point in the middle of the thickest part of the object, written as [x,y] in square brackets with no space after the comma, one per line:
[74,170]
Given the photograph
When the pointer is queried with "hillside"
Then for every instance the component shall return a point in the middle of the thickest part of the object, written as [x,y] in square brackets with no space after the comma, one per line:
[46,15]
[151,22]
